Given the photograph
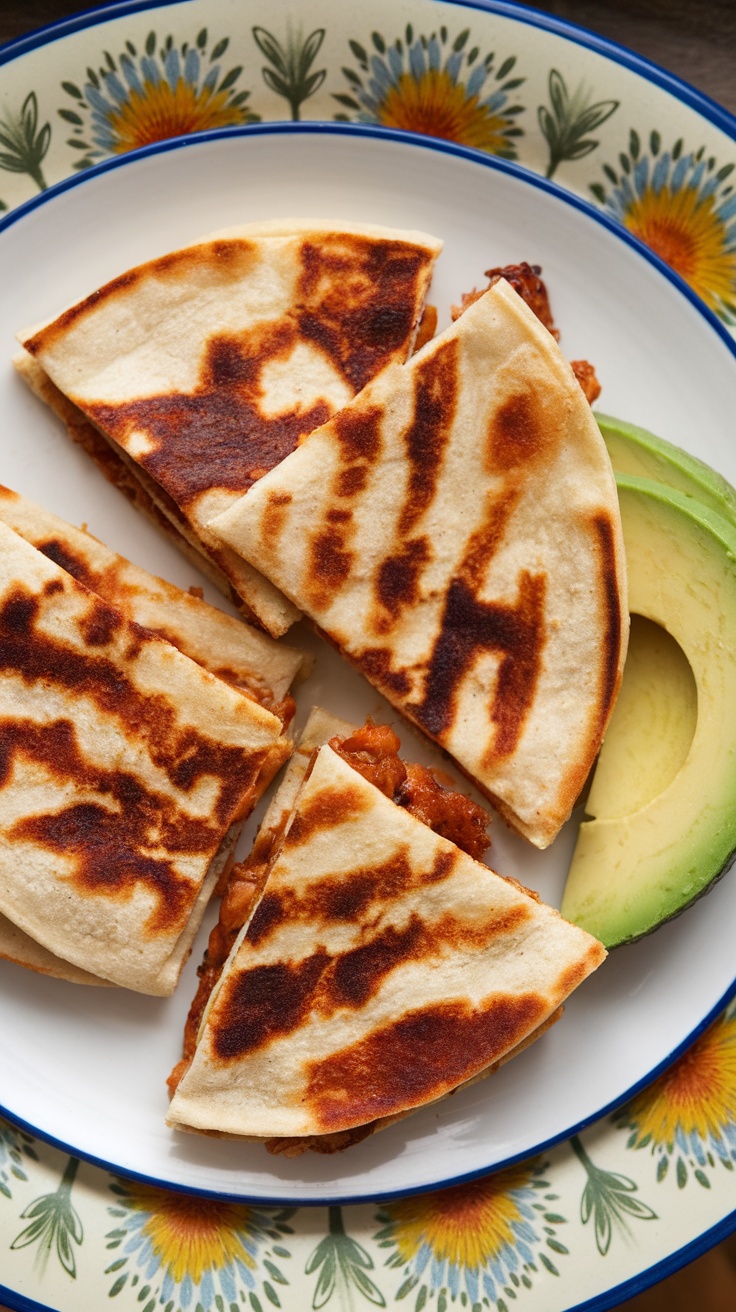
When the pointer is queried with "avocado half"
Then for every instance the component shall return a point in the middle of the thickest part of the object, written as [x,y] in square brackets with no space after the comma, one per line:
[636,451]
[631,872]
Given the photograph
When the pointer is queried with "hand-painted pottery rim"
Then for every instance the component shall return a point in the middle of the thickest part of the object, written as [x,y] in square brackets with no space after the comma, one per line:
[694,1155]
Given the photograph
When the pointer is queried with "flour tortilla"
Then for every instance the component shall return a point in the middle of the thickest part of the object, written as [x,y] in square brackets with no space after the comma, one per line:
[455,532]
[125,767]
[227,647]
[204,367]
[382,968]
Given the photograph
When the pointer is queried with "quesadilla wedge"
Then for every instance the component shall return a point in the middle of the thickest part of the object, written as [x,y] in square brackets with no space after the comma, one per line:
[203,368]
[126,770]
[382,968]
[455,532]
[229,648]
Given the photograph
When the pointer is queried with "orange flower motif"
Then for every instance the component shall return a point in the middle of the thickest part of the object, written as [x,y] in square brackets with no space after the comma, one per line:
[690,1110]
[684,209]
[468,1240]
[437,87]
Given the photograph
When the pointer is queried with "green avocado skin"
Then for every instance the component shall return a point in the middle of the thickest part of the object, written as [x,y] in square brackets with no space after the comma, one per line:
[631,874]
[636,451]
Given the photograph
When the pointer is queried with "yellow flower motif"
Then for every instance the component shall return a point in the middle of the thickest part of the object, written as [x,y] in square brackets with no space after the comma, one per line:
[465,1225]
[440,107]
[158,112]
[696,1097]
[688,233]
[188,1235]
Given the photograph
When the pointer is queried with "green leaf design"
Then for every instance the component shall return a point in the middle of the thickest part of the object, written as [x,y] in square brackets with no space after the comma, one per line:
[570,117]
[54,1224]
[608,1199]
[343,1264]
[290,74]
[25,147]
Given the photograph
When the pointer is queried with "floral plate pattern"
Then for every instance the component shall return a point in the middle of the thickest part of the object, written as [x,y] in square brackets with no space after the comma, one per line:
[612,1209]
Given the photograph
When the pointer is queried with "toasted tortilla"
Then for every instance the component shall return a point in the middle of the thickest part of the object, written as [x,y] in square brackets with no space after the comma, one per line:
[455,532]
[227,647]
[382,968]
[203,368]
[125,767]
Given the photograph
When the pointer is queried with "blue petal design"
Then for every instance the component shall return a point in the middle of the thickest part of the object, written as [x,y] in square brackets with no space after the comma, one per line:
[167,1286]
[697,177]
[641,175]
[186,1291]
[680,171]
[172,68]
[115,88]
[191,67]
[660,172]
[97,100]
[416,61]
[227,1283]
[496,102]
[395,63]
[433,53]
[381,74]
[245,1273]
[212,78]
[131,74]
[726,212]
[207,1290]
[150,70]
[454,64]
[476,80]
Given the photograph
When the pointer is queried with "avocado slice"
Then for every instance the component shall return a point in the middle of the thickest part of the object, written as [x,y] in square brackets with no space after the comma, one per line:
[638,863]
[635,451]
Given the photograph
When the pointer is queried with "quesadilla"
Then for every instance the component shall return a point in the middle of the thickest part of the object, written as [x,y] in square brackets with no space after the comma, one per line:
[381,968]
[227,647]
[126,772]
[455,532]
[203,368]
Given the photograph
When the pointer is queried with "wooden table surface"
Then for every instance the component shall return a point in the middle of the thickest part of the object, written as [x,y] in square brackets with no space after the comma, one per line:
[696,41]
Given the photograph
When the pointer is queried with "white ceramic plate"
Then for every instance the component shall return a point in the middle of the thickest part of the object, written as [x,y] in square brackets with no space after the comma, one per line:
[86,1067]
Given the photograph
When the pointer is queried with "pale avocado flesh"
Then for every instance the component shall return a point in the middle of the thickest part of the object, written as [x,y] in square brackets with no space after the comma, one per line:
[636,451]
[631,872]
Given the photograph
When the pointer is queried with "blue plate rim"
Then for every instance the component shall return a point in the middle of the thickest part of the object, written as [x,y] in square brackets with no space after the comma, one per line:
[566,197]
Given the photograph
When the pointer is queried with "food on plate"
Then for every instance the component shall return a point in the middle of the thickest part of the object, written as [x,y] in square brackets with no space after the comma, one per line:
[383,966]
[201,369]
[455,532]
[636,451]
[648,851]
[126,772]
[526,280]
[227,647]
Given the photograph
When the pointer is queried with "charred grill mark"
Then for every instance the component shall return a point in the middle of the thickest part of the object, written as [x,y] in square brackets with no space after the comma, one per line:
[355,304]
[346,898]
[359,299]
[377,662]
[99,626]
[262,1004]
[216,436]
[397,584]
[323,811]
[328,983]
[435,403]
[108,843]
[417,1058]
[329,563]
[520,433]
[184,754]
[470,628]
[59,553]
[359,435]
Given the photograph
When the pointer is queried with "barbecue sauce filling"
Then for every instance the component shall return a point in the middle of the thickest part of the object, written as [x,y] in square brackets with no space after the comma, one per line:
[373,752]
